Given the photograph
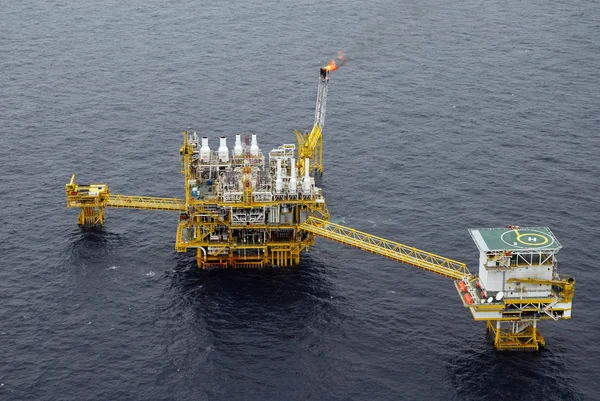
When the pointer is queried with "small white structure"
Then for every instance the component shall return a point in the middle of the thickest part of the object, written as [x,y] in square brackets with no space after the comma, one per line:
[223,150]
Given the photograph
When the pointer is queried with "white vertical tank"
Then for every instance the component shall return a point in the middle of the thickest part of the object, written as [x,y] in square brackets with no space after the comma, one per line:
[254,150]
[306,182]
[237,150]
[279,180]
[292,185]
[204,150]
[223,150]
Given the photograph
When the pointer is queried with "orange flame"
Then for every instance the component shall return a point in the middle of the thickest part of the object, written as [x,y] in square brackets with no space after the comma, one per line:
[332,65]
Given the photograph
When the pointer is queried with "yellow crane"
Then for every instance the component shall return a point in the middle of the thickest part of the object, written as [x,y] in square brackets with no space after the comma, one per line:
[242,208]
[565,286]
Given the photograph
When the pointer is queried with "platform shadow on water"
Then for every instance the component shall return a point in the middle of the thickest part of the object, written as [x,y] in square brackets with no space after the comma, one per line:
[481,373]
[91,239]
[256,299]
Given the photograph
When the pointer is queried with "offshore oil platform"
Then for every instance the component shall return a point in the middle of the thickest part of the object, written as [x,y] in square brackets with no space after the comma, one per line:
[245,209]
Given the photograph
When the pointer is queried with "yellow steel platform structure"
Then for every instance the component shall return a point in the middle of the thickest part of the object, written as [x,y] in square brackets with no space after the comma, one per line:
[511,321]
[93,198]
[244,209]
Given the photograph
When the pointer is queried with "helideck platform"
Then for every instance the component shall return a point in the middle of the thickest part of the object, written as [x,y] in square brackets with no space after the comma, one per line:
[516,239]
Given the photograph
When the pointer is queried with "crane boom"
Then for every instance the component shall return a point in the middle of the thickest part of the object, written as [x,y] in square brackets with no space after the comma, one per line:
[393,250]
[566,283]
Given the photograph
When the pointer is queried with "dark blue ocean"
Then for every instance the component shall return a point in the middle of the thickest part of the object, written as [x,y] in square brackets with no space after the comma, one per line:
[447,115]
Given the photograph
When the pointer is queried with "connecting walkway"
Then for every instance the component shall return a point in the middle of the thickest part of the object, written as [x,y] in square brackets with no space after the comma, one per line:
[393,250]
[145,202]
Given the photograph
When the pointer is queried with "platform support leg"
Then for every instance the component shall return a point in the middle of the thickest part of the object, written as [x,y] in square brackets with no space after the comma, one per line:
[91,216]
[516,336]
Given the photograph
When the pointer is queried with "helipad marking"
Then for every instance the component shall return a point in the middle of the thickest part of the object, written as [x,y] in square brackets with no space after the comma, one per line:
[531,238]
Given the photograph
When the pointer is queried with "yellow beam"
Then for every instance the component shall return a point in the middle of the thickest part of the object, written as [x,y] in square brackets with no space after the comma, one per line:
[312,141]
[185,152]
[311,146]
[393,250]
[145,202]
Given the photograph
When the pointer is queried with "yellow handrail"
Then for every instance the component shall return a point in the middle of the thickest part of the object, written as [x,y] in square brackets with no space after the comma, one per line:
[381,246]
[145,202]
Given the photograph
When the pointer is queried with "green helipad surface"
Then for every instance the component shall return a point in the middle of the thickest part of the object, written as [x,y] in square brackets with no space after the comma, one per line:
[506,239]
